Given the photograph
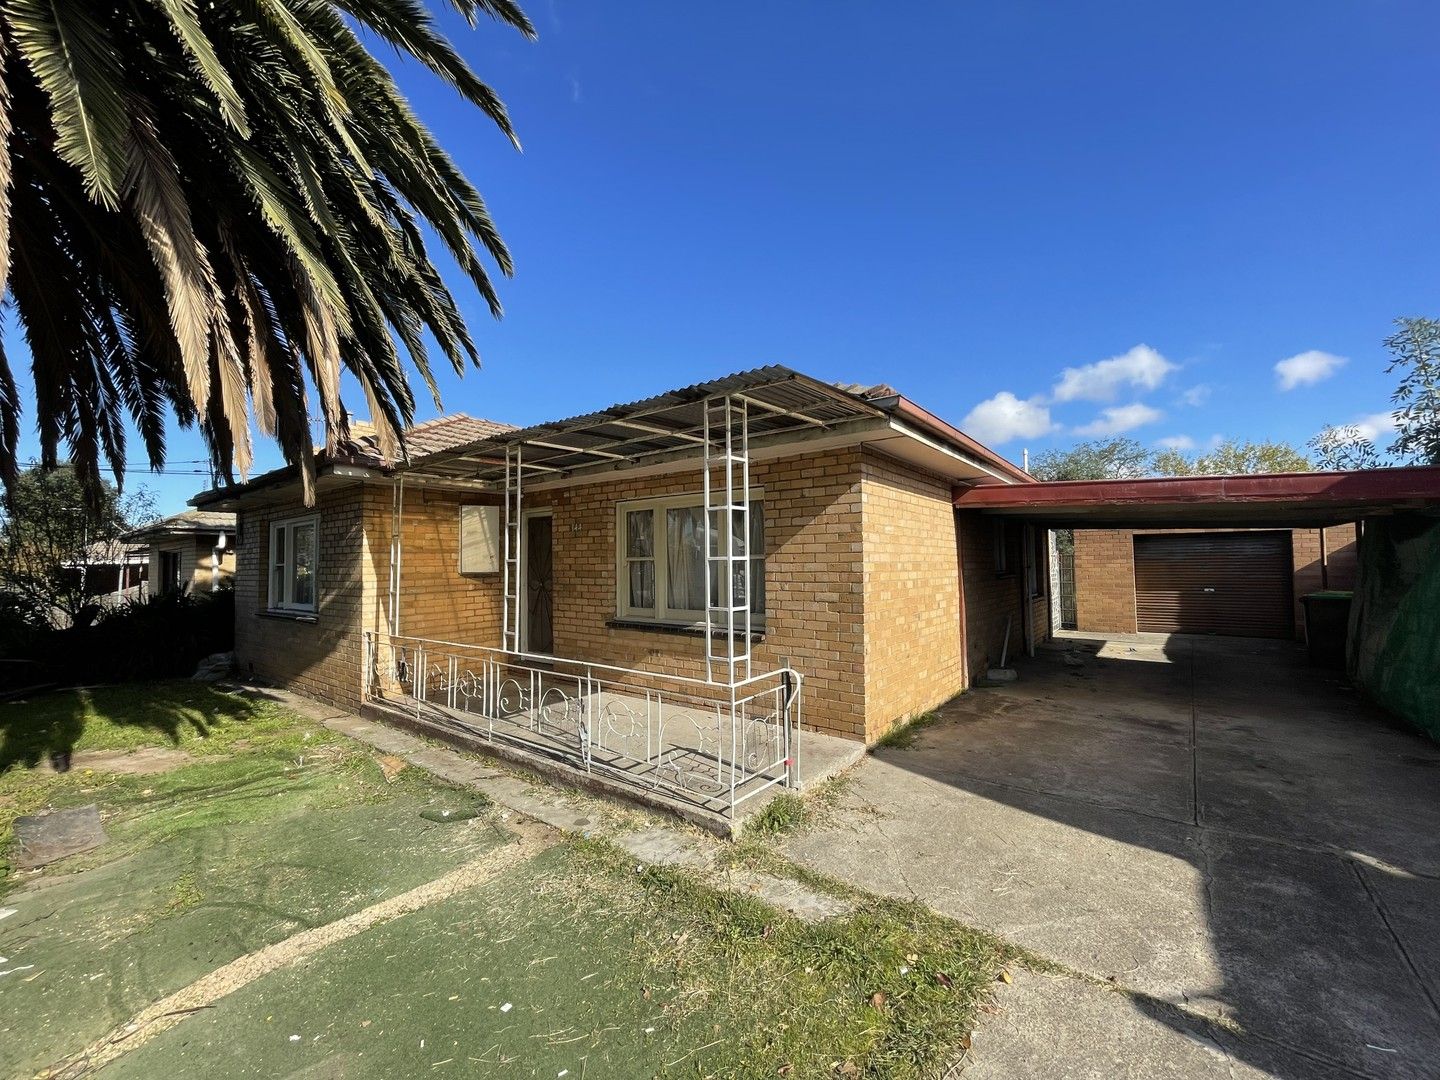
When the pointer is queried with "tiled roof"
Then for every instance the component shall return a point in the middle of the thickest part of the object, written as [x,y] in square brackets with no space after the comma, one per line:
[187,521]
[422,440]
[448,432]
[869,393]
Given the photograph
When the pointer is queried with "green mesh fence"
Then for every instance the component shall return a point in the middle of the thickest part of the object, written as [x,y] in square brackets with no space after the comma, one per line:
[1395,619]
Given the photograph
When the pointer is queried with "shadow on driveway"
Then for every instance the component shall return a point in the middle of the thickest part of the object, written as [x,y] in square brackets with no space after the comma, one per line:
[1213,825]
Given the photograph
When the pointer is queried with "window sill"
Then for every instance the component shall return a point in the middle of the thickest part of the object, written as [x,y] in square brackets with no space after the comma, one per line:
[289,616]
[677,629]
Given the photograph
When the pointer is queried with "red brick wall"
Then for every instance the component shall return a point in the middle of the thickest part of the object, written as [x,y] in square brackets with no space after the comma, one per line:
[1105,581]
[991,596]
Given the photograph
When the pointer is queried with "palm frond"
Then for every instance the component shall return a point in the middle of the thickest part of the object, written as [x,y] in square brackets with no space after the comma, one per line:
[222,213]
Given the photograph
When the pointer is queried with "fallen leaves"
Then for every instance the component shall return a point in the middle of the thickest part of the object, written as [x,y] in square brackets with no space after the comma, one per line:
[391,766]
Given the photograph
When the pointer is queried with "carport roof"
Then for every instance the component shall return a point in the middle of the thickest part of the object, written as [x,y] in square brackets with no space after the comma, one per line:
[1274,500]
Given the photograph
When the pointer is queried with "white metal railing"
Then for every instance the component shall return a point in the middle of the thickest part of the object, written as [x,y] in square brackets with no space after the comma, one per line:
[715,745]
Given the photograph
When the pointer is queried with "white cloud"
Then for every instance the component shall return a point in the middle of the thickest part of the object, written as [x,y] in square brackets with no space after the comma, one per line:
[1118,418]
[1176,442]
[1376,426]
[1307,368]
[1195,396]
[1142,367]
[1004,417]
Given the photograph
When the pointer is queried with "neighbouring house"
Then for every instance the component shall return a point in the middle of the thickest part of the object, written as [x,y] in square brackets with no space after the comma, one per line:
[193,551]
[1239,583]
[668,592]
[112,570]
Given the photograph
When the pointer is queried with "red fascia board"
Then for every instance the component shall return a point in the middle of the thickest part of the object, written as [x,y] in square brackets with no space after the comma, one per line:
[1379,486]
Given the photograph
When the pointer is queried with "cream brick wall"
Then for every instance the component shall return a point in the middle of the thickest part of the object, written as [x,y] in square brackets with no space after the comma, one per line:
[321,658]
[1105,581]
[814,582]
[437,601]
[862,581]
[912,593]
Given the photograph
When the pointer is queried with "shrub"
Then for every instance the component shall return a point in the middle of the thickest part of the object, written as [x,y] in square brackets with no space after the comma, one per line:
[163,637]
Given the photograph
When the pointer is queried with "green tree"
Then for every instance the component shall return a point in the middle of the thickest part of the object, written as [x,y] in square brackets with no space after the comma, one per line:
[50,537]
[1345,447]
[1232,458]
[215,208]
[1100,459]
[1416,352]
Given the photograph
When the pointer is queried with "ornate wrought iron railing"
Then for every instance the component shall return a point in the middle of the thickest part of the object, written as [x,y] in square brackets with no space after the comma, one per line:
[714,745]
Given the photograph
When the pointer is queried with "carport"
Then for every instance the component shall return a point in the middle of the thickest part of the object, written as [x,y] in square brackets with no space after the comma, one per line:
[1234,582]
[1224,832]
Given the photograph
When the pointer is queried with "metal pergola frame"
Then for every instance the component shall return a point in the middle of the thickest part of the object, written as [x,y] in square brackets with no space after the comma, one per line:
[720,422]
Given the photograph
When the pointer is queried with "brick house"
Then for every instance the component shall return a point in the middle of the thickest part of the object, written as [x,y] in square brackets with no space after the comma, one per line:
[1238,582]
[193,551]
[499,562]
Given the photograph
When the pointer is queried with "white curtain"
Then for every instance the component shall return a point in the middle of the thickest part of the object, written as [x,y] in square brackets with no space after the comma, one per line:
[685,559]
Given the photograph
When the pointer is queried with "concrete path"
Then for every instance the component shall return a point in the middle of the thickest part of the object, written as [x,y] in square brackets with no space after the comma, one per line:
[1241,859]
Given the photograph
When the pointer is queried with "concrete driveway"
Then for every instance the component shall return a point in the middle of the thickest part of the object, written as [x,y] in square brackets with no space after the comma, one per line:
[1237,859]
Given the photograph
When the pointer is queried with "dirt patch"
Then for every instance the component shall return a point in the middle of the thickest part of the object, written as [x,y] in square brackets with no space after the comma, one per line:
[141,762]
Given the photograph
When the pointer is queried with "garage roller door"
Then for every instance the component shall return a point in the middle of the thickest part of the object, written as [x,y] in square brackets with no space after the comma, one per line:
[1218,583]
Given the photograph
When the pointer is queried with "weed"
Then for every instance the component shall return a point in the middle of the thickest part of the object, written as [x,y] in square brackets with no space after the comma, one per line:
[903,735]
[783,814]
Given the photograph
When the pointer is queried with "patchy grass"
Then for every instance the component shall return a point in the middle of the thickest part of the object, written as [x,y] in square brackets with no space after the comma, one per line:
[195,717]
[242,748]
[782,814]
[578,962]
[903,735]
[789,812]
[276,825]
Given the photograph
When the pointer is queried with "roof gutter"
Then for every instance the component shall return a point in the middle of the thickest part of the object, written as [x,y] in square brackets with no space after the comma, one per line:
[927,421]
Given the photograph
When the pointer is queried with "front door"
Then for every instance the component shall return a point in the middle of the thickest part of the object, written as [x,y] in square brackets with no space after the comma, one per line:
[539,585]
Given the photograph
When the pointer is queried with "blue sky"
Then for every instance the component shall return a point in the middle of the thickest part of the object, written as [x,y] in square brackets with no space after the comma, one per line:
[963,202]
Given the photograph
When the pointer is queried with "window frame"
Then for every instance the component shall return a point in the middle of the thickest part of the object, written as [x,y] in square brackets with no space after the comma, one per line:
[486,513]
[286,603]
[1001,554]
[661,614]
[1038,547]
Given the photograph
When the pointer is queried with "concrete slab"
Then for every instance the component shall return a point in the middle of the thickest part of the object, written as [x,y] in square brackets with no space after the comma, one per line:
[1107,1035]
[788,895]
[48,837]
[666,847]
[1211,825]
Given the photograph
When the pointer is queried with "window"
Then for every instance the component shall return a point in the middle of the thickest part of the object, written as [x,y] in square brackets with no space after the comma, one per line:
[660,561]
[479,539]
[1002,548]
[292,564]
[1039,542]
[169,572]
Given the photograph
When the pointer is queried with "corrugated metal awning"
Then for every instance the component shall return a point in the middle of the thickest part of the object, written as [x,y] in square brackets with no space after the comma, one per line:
[780,403]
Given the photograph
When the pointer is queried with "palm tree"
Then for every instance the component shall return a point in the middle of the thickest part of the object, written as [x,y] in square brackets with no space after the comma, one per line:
[207,206]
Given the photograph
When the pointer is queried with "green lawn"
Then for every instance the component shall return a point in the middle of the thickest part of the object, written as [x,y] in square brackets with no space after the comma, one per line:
[609,970]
